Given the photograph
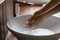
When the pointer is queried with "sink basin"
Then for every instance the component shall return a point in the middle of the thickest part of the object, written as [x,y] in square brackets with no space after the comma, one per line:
[35,1]
[1,1]
[17,26]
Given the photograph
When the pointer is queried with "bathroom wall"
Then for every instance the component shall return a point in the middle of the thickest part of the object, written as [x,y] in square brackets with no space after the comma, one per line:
[6,12]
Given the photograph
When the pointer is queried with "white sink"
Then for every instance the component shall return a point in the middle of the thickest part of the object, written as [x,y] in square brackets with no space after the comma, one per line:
[1,1]
[36,1]
[17,26]
[57,15]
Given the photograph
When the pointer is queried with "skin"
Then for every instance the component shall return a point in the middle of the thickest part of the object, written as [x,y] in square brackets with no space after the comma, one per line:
[44,13]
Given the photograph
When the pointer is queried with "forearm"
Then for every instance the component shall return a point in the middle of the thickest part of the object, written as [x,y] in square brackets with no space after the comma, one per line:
[47,8]
[50,13]
[45,12]
[41,18]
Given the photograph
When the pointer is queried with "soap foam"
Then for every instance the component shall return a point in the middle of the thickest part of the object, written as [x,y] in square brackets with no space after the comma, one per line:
[39,32]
